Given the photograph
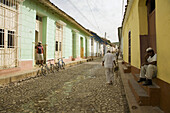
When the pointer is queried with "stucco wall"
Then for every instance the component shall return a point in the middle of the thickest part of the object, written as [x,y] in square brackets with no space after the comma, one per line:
[27,31]
[132,24]
[50,38]
[67,42]
[32,8]
[163,39]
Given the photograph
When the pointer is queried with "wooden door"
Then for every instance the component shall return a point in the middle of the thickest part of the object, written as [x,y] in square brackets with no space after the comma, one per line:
[81,48]
[151,24]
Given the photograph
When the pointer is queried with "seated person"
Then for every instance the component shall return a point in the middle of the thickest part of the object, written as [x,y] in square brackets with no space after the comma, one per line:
[148,68]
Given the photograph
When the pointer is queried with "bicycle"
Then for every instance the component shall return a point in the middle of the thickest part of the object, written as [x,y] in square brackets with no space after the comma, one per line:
[42,71]
[61,63]
[55,67]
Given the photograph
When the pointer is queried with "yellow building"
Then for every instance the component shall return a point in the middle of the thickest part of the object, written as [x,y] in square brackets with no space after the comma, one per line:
[146,23]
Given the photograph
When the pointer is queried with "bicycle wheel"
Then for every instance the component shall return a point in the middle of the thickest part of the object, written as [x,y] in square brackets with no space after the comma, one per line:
[63,65]
[60,64]
[56,68]
[43,71]
[47,69]
[52,68]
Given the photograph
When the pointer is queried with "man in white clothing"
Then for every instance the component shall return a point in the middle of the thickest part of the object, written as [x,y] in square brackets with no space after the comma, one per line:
[148,68]
[107,62]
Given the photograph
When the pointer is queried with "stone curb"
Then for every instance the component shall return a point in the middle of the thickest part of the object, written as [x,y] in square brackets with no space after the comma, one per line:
[133,105]
[4,80]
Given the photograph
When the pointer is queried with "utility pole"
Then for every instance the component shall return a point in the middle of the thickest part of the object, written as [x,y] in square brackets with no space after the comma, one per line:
[104,46]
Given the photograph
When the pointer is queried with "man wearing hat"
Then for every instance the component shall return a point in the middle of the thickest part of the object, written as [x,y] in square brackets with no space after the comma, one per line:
[40,53]
[148,68]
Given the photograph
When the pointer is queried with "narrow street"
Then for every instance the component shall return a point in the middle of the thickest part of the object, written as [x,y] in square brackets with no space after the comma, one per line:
[78,89]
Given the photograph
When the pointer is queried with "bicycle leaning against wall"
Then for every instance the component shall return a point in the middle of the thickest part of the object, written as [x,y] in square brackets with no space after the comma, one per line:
[61,63]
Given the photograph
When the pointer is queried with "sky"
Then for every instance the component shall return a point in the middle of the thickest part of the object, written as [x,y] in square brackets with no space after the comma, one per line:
[99,16]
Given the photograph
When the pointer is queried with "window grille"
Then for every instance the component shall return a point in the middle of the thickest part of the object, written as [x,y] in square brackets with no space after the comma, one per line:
[11,39]
[9,35]
[1,38]
[56,46]
[60,47]
[91,41]
[9,3]
[38,18]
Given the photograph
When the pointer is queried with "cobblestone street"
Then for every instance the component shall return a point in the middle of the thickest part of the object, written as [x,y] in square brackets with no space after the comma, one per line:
[78,89]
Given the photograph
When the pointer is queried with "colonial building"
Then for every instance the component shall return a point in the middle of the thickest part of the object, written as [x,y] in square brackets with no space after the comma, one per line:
[24,24]
[9,33]
[146,24]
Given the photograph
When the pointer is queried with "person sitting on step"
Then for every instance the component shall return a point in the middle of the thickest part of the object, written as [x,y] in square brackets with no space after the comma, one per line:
[149,67]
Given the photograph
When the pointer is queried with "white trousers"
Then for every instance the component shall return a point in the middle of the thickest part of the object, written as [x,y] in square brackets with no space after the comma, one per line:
[40,57]
[148,71]
[109,74]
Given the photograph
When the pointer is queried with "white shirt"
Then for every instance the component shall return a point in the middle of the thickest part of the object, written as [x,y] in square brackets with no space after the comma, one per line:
[152,59]
[108,60]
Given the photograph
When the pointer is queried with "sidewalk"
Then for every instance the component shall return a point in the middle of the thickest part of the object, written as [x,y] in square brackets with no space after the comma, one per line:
[133,105]
[25,74]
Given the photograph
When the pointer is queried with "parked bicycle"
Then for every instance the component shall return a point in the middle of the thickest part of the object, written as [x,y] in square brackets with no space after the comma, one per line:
[51,68]
[42,70]
[61,63]
[55,67]
[45,69]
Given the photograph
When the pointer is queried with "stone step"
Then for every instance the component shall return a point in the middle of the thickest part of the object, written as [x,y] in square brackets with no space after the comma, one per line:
[140,94]
[152,90]
[127,68]
[146,88]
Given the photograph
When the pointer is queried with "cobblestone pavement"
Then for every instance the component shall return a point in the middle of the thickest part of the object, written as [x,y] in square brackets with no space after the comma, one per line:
[78,89]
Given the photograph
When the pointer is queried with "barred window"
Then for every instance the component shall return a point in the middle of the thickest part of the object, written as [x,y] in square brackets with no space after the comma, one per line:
[56,48]
[10,3]
[60,47]
[1,38]
[38,18]
[91,41]
[10,39]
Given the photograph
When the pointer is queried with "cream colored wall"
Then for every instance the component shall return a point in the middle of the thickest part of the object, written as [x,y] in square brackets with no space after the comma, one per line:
[163,39]
[132,24]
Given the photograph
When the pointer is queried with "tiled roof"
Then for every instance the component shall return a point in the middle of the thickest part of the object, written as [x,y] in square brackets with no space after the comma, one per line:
[63,14]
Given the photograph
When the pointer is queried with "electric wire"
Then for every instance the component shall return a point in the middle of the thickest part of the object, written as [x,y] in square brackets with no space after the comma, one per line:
[93,16]
[82,14]
[103,16]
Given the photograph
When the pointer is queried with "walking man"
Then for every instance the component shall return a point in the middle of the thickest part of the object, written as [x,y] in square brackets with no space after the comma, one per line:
[40,57]
[108,62]
[148,68]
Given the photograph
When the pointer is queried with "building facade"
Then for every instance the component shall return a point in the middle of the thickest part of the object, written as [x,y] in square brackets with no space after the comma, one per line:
[146,24]
[27,22]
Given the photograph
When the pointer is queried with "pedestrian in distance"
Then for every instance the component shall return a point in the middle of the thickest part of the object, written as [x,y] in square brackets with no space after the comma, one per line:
[149,67]
[108,62]
[117,55]
[40,50]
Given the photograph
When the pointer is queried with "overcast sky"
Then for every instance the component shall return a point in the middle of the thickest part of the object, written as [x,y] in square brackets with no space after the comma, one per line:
[99,16]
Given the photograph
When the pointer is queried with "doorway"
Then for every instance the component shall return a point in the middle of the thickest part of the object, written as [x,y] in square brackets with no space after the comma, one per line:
[151,24]
[129,48]
[73,46]
[38,37]
[35,51]
[81,48]
[59,41]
